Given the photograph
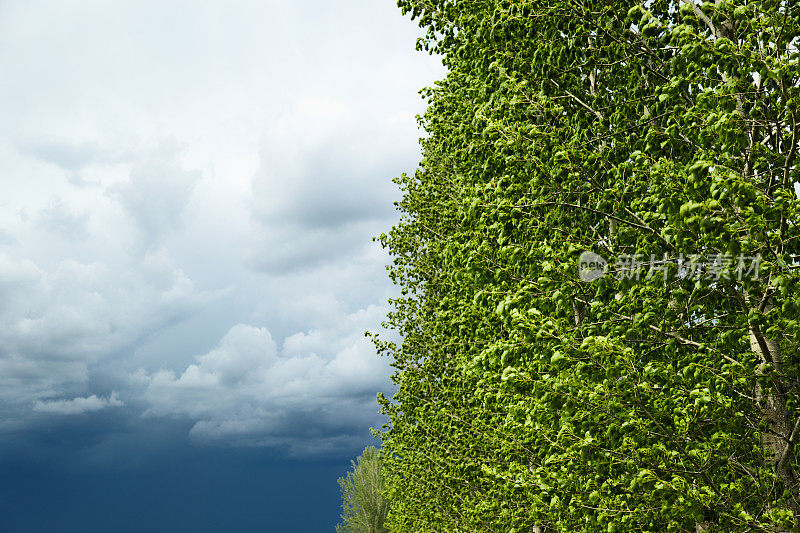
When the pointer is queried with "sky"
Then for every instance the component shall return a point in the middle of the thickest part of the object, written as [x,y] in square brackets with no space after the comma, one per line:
[188,195]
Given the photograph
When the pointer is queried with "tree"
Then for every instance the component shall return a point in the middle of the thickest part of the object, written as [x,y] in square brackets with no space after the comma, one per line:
[655,399]
[364,507]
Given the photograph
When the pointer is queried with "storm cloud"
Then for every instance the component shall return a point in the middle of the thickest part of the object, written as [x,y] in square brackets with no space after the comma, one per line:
[190,191]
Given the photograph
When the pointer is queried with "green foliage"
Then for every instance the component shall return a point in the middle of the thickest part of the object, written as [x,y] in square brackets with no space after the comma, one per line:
[364,507]
[529,400]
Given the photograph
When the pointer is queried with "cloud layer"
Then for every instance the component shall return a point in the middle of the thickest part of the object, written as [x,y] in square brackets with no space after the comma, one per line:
[200,177]
[249,391]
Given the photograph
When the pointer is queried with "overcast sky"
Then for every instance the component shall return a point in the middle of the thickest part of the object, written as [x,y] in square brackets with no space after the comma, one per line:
[189,191]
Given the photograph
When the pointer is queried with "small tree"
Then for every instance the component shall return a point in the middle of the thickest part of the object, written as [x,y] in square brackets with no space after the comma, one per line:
[364,508]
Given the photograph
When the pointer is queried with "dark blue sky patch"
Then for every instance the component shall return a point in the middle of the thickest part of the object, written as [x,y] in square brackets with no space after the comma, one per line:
[172,487]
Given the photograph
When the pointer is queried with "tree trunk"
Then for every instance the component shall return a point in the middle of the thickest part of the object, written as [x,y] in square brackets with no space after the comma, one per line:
[778,439]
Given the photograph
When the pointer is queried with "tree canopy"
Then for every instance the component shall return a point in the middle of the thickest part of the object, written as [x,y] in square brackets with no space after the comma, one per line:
[364,507]
[661,396]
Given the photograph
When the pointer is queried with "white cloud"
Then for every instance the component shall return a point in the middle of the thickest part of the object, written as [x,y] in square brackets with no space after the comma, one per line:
[248,391]
[77,406]
[55,324]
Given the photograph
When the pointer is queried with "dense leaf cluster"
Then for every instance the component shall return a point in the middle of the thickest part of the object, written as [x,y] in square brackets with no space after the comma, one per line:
[529,400]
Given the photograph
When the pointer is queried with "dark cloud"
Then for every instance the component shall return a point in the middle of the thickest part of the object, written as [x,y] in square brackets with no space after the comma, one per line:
[77,406]
[55,324]
[198,178]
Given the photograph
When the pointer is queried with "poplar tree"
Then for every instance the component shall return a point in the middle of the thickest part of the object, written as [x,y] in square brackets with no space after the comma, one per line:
[364,507]
[661,392]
